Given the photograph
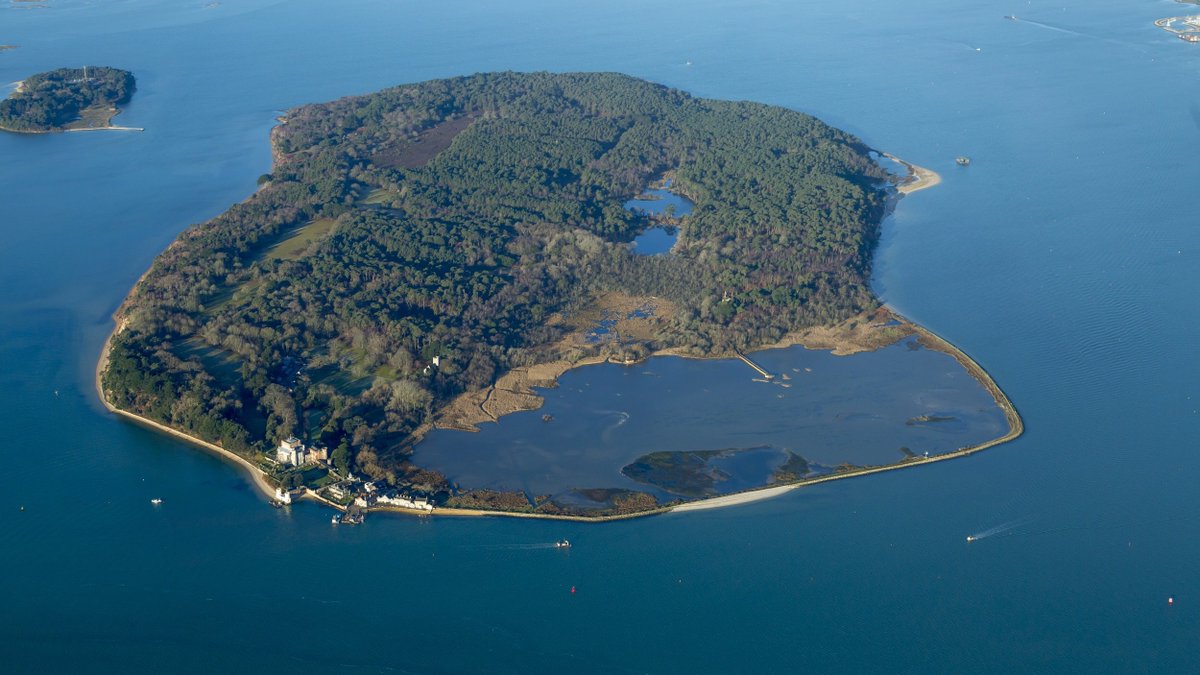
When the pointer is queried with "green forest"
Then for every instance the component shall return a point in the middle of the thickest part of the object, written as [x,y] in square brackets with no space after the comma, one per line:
[51,101]
[460,219]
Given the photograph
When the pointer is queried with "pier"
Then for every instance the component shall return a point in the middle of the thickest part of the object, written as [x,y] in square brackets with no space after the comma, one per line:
[109,128]
[760,369]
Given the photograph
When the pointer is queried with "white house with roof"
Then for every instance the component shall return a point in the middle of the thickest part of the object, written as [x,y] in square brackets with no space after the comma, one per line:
[292,452]
[406,502]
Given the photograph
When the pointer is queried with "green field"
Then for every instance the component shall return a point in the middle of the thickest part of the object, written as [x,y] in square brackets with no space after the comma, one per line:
[295,244]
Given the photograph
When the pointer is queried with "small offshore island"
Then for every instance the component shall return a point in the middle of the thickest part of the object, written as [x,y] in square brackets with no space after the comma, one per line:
[420,259]
[68,99]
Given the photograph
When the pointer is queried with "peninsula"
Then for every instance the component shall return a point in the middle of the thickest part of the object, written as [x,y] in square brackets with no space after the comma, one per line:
[420,258]
[67,99]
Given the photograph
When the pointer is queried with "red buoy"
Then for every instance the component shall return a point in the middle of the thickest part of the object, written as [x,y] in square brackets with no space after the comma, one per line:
[572,589]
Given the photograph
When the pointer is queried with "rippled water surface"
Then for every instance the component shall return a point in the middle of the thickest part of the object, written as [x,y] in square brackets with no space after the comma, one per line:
[830,410]
[1065,259]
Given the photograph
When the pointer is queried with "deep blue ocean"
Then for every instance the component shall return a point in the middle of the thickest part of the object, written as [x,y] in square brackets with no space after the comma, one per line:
[1065,259]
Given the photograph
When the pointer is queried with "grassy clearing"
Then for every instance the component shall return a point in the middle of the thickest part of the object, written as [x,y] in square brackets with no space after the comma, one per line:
[94,117]
[230,294]
[222,365]
[291,246]
[378,196]
[341,380]
[296,243]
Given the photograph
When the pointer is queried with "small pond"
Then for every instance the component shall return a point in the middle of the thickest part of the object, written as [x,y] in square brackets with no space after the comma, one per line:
[658,202]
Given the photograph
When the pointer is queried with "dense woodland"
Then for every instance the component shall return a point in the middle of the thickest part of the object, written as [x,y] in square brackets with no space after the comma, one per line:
[50,101]
[455,218]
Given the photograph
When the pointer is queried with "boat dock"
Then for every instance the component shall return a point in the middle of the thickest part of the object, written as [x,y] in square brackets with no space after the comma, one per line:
[760,369]
[110,128]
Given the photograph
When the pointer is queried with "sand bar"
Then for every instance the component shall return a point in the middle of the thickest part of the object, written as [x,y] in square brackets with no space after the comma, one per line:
[918,177]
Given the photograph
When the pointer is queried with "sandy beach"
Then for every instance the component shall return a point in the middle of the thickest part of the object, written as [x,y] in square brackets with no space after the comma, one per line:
[256,474]
[918,177]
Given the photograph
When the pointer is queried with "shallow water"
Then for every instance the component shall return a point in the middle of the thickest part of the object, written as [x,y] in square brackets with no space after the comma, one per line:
[829,409]
[1061,260]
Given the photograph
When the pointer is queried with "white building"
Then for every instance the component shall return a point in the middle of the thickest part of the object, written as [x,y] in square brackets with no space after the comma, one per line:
[406,502]
[282,496]
[292,452]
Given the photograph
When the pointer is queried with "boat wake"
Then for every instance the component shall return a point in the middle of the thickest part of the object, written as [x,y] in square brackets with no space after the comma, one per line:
[993,531]
[519,547]
[622,418]
[1068,31]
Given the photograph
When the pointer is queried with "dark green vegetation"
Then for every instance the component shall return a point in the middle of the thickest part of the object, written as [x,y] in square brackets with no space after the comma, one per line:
[459,219]
[682,473]
[578,502]
[53,101]
[692,473]
[929,419]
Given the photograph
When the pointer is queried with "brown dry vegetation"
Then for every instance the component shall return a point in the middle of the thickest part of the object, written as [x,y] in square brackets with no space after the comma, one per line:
[863,333]
[416,152]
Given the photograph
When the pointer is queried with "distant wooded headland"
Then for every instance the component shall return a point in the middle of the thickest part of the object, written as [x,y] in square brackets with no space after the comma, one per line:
[67,99]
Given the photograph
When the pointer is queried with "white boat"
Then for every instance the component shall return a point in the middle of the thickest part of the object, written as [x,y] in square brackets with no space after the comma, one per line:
[156,501]
[970,537]
[336,519]
[562,543]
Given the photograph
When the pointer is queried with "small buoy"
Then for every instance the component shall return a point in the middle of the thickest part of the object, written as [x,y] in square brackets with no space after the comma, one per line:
[22,508]
[572,589]
[1171,601]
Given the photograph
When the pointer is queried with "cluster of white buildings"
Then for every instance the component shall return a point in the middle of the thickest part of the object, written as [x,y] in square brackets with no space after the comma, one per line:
[393,499]
[292,452]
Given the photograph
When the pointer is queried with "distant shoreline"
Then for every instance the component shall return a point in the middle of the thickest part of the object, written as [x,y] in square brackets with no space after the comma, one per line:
[19,86]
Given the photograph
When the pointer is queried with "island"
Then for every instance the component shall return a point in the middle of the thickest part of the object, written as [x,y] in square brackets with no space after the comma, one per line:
[5,48]
[67,99]
[420,259]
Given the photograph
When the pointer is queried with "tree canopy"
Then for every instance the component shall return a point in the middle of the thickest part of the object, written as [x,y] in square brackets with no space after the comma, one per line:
[51,101]
[462,219]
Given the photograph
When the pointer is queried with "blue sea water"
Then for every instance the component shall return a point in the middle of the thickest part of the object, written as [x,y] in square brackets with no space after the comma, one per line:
[1064,259]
